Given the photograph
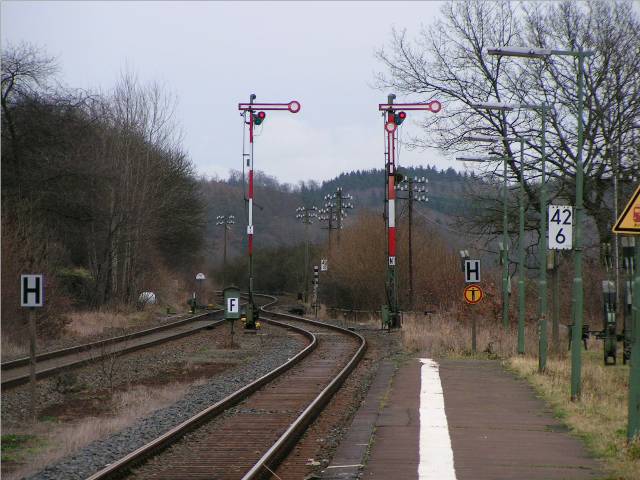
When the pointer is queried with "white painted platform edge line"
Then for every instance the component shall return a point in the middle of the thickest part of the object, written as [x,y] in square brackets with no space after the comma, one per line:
[435,452]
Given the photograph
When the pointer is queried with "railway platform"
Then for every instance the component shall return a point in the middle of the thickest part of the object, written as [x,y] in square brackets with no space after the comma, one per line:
[460,420]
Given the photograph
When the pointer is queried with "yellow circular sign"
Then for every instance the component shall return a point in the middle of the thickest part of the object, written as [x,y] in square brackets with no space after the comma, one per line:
[473,294]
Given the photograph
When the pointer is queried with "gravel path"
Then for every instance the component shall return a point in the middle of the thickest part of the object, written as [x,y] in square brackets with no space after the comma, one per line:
[274,350]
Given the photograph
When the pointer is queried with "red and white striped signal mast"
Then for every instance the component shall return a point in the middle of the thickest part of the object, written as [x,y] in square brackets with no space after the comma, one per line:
[254,114]
[394,115]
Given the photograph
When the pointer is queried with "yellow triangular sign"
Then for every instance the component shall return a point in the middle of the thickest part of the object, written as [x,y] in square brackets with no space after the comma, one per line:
[628,222]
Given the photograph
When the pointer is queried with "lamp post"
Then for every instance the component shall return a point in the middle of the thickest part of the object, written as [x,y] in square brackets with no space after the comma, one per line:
[542,109]
[305,215]
[416,190]
[225,221]
[521,239]
[504,244]
[578,287]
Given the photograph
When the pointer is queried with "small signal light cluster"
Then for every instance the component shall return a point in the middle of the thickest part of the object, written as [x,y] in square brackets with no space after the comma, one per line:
[395,119]
[259,117]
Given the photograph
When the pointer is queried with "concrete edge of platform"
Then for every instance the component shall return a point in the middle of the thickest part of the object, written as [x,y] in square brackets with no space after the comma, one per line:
[351,454]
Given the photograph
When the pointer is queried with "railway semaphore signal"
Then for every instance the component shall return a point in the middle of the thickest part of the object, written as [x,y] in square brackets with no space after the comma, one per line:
[394,114]
[254,114]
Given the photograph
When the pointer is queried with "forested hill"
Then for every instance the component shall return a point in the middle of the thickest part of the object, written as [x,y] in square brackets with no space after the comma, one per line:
[275,220]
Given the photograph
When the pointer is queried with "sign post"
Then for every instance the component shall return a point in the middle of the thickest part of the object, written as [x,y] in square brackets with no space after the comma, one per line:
[32,297]
[629,224]
[473,294]
[316,278]
[633,428]
[231,307]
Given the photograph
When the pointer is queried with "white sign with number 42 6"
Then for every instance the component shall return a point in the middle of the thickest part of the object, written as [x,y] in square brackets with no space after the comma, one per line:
[560,227]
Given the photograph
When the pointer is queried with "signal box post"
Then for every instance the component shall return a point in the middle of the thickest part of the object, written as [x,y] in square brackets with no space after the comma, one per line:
[394,115]
[254,114]
[231,307]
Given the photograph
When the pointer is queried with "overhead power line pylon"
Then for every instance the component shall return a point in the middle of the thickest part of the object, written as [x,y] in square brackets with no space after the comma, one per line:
[253,115]
[394,115]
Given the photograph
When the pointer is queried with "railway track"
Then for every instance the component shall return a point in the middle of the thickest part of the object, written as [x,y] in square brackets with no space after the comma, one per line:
[16,372]
[246,435]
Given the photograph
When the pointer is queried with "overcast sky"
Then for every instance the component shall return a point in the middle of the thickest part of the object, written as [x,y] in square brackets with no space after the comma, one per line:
[213,55]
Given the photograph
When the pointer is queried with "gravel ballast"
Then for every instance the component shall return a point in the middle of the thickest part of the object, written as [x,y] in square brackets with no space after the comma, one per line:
[273,350]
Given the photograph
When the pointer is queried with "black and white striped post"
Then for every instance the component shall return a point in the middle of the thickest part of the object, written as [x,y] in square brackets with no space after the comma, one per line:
[316,278]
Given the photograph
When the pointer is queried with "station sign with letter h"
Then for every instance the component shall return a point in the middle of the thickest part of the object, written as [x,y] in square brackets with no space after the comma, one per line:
[472,271]
[32,291]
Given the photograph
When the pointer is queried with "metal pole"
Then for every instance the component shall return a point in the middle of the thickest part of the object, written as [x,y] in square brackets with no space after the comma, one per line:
[250,320]
[33,388]
[521,241]
[411,193]
[616,162]
[391,219]
[543,313]
[474,341]
[576,336]
[555,328]
[339,214]
[224,256]
[330,226]
[505,254]
[633,427]
[306,256]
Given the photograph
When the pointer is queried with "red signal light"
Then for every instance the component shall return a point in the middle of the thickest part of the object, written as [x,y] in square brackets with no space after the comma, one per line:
[262,115]
[399,117]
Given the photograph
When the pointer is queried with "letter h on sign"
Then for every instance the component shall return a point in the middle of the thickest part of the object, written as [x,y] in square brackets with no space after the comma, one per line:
[31,291]
[472,271]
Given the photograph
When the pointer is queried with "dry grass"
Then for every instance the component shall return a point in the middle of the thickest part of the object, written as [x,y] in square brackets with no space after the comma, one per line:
[12,350]
[445,334]
[600,418]
[60,440]
[91,323]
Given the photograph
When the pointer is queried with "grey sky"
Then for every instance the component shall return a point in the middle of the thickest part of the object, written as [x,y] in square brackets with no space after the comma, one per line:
[212,55]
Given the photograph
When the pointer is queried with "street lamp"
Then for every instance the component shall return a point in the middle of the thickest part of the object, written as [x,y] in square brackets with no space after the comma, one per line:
[578,287]
[306,215]
[543,109]
[225,221]
[505,234]
[521,239]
